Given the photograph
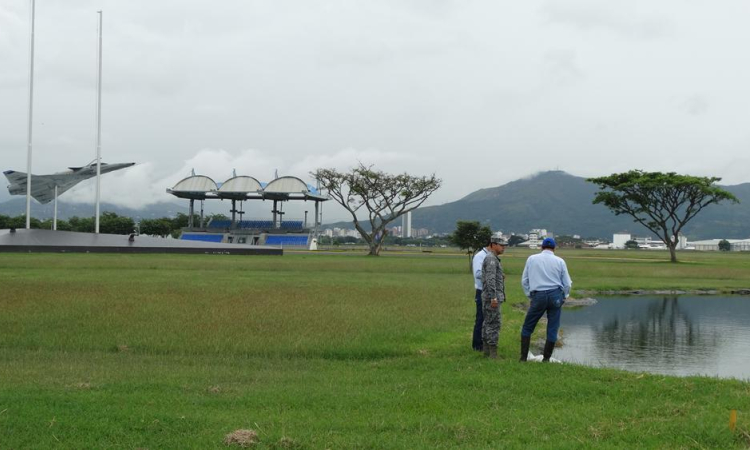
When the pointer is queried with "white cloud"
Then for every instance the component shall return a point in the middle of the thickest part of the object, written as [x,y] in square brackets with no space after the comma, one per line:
[622,17]
[695,105]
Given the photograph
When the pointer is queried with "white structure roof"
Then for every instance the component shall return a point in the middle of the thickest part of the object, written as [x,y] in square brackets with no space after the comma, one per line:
[286,185]
[238,187]
[200,187]
[195,186]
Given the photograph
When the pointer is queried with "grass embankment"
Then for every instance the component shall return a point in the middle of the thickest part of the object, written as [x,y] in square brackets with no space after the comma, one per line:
[157,351]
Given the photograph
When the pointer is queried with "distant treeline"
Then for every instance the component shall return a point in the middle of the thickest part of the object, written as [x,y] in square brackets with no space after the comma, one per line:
[109,223]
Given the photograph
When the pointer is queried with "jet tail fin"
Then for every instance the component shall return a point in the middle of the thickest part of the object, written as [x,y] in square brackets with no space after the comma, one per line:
[15,177]
[42,187]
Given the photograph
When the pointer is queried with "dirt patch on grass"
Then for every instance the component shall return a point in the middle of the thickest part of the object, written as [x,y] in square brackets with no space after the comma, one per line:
[241,438]
[214,389]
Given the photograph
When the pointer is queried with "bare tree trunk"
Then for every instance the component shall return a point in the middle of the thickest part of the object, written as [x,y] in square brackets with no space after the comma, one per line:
[672,253]
[374,249]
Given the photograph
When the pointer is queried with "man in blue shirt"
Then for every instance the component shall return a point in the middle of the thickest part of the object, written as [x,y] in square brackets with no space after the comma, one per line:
[547,284]
[476,266]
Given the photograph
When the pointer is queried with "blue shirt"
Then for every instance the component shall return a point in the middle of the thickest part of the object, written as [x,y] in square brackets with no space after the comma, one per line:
[545,271]
[476,267]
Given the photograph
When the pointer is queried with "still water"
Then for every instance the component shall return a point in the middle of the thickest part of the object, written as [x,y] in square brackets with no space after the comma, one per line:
[674,335]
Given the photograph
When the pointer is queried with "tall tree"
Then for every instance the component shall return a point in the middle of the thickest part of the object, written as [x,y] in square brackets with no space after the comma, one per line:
[661,202]
[470,236]
[112,223]
[382,196]
[156,227]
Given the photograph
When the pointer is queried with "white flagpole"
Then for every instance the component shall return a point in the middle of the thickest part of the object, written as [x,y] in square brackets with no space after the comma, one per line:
[31,114]
[99,128]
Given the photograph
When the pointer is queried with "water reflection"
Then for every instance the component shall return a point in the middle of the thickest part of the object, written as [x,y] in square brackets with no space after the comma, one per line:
[670,335]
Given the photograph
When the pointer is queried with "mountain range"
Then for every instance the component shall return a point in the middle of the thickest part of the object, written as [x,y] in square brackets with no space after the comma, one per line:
[562,203]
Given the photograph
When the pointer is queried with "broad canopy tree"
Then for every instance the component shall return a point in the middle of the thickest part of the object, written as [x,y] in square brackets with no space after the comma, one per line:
[381,196]
[661,202]
[470,236]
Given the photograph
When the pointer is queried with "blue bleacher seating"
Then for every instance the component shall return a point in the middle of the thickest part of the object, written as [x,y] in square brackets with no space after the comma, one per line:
[220,224]
[291,225]
[286,240]
[255,224]
[205,237]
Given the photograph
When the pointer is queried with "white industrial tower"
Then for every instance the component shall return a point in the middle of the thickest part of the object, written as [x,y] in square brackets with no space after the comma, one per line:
[406,225]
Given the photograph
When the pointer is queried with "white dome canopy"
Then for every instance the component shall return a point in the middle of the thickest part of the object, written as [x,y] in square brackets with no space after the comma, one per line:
[241,183]
[286,185]
[195,186]
[195,183]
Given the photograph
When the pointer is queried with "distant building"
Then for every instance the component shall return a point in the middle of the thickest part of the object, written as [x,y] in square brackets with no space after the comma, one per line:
[682,242]
[406,225]
[735,245]
[619,239]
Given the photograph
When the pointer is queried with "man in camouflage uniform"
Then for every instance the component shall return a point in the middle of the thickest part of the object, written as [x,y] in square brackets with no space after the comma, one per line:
[493,295]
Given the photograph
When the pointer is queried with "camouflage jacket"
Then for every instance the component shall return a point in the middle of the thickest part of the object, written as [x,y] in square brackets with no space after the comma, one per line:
[493,279]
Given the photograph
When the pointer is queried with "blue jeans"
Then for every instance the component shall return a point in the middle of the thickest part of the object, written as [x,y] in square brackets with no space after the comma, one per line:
[476,342]
[544,301]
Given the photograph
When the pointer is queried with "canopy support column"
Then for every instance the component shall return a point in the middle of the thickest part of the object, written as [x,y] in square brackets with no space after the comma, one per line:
[191,212]
[274,211]
[201,214]
[318,213]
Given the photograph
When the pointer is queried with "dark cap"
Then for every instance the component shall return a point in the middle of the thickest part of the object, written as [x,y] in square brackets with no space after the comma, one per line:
[548,243]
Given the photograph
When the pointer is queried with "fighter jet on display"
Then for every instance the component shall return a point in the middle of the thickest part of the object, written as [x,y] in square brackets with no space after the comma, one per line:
[43,186]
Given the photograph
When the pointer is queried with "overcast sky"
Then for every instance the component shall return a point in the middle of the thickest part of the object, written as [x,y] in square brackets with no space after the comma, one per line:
[479,92]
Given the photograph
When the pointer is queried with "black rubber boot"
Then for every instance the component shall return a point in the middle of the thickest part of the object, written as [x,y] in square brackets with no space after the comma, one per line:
[549,346]
[493,351]
[486,349]
[525,343]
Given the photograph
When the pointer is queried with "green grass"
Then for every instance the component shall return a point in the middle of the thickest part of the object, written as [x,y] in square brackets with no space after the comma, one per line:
[332,351]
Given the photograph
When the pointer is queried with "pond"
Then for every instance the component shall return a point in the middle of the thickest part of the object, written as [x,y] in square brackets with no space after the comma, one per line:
[673,335]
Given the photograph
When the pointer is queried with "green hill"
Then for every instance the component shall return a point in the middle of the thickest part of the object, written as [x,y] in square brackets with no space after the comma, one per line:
[561,203]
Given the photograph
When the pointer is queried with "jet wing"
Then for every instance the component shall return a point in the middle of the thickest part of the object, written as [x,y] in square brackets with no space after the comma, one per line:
[42,186]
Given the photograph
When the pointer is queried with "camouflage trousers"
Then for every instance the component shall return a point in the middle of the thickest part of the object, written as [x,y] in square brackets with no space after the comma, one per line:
[492,322]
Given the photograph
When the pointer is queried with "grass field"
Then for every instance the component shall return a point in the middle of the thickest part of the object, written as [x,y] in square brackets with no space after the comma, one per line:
[328,351]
